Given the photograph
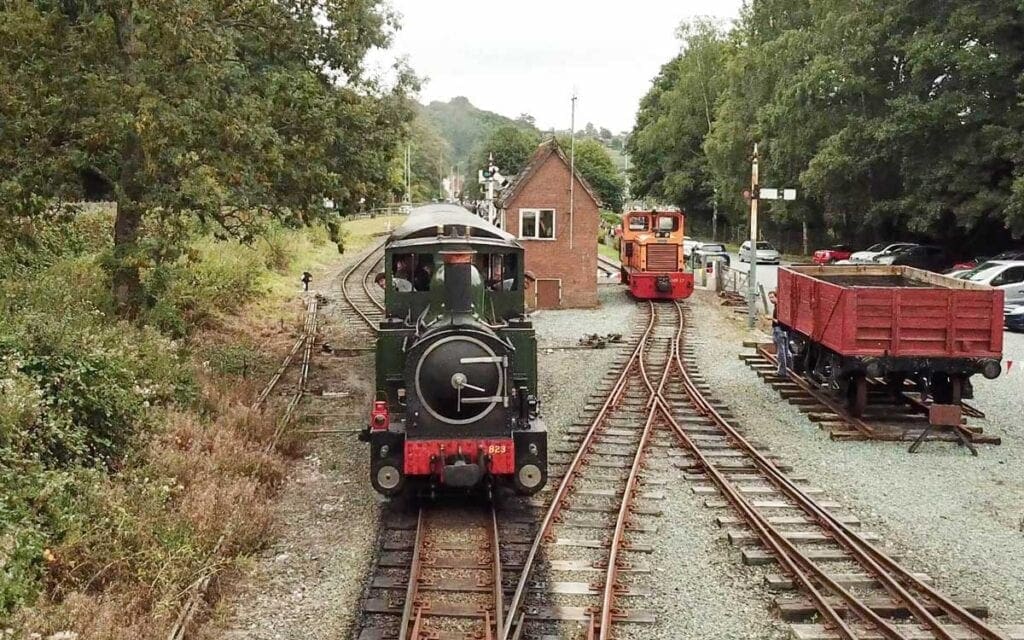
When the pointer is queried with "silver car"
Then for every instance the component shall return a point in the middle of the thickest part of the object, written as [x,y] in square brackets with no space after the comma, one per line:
[1007,275]
[765,252]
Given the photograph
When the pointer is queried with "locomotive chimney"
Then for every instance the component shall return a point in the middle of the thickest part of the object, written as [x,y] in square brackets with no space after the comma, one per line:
[458,280]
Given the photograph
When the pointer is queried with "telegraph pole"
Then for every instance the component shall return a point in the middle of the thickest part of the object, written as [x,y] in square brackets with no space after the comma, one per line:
[714,213]
[756,195]
[752,278]
[572,165]
[408,173]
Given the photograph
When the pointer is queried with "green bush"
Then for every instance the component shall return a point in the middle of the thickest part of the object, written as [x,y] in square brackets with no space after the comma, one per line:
[82,394]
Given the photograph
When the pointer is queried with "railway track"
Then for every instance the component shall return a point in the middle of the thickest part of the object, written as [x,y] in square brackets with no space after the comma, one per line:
[364,306]
[899,416]
[590,541]
[197,591]
[607,267]
[835,581]
[576,568]
[440,574]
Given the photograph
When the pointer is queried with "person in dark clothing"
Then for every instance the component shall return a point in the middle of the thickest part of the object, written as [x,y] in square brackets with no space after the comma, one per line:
[421,279]
[779,337]
[307,277]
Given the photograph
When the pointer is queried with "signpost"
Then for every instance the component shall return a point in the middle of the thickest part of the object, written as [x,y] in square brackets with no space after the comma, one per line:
[757,193]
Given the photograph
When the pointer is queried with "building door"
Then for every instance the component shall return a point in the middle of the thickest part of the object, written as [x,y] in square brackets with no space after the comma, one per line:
[549,293]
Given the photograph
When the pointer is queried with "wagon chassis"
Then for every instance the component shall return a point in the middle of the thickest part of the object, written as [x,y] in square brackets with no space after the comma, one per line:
[904,418]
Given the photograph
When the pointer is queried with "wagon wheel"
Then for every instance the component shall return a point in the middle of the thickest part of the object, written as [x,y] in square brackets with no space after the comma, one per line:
[858,395]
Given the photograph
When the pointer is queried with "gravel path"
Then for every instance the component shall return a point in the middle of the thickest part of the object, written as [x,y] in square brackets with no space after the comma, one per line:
[952,516]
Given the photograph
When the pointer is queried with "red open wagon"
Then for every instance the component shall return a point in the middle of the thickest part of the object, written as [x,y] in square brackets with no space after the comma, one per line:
[850,323]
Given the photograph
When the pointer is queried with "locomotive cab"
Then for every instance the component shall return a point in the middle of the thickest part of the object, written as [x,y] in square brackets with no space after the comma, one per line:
[456,362]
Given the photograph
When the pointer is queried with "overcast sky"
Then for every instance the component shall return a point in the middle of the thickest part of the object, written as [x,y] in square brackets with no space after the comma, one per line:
[527,56]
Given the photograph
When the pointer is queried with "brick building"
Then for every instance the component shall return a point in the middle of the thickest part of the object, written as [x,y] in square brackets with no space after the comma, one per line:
[560,246]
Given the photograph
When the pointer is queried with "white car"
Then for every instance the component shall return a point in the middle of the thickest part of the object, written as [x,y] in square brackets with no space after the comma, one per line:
[876,250]
[689,244]
[1007,275]
[765,252]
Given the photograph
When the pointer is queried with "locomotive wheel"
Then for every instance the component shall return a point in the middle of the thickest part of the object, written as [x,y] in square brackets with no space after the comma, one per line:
[386,476]
[858,398]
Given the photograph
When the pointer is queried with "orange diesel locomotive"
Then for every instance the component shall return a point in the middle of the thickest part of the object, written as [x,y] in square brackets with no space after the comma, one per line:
[651,252]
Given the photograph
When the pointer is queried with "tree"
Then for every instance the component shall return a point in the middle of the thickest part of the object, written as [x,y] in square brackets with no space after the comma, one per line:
[595,165]
[894,118]
[527,120]
[430,154]
[675,117]
[511,147]
[205,107]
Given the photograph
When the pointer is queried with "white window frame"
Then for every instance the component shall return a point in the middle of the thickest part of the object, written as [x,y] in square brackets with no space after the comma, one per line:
[554,220]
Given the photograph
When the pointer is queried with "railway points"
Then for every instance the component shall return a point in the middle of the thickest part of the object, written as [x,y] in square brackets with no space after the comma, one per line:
[573,560]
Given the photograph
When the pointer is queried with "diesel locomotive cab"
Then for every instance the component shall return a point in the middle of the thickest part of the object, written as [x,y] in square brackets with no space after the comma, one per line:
[460,395]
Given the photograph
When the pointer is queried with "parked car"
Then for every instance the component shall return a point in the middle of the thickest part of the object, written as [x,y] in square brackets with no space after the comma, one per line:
[966,265]
[1013,317]
[833,254]
[765,252]
[707,249]
[1007,275]
[688,246]
[921,257]
[875,250]
[1015,254]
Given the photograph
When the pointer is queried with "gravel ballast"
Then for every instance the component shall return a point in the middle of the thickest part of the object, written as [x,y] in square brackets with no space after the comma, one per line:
[947,514]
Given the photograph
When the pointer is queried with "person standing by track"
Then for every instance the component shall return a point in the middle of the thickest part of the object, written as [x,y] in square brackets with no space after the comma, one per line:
[779,338]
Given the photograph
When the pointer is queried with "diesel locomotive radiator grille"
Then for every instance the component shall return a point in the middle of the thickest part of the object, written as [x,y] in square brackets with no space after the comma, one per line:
[662,257]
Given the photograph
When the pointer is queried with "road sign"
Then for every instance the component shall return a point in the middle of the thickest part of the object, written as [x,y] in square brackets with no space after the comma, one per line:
[769,194]
[789,194]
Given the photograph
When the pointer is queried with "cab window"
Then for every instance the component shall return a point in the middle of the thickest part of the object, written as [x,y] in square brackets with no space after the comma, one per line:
[638,223]
[411,272]
[501,271]
[668,223]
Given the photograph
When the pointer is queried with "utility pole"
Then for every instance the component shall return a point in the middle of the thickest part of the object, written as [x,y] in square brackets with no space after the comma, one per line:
[408,173]
[714,213]
[752,278]
[756,195]
[572,165]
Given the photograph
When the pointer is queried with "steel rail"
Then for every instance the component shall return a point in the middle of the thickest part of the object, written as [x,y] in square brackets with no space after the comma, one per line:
[865,553]
[499,604]
[366,284]
[345,291]
[611,574]
[262,397]
[832,405]
[558,500]
[412,589]
[775,542]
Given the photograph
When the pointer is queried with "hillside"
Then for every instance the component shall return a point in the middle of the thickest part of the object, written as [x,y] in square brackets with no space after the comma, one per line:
[464,125]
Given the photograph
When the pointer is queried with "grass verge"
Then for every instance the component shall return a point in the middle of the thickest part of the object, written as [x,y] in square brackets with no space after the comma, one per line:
[129,451]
